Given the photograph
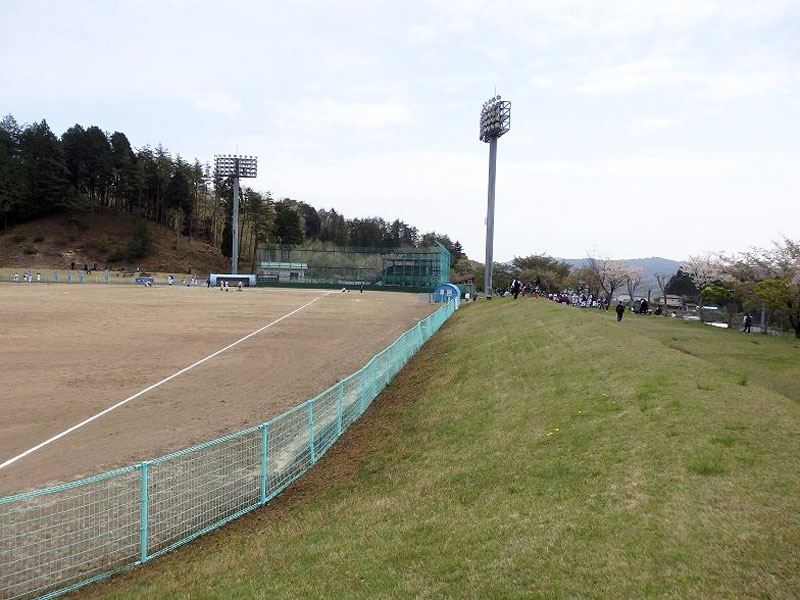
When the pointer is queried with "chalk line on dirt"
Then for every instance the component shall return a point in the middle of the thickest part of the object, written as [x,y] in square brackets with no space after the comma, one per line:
[155,385]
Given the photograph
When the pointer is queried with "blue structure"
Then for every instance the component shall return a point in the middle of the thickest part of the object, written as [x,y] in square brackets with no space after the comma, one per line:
[446,292]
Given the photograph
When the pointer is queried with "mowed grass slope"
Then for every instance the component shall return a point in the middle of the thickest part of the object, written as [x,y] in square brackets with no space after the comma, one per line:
[534,450]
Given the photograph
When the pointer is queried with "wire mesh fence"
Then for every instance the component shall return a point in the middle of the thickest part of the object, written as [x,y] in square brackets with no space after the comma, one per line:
[57,539]
[105,276]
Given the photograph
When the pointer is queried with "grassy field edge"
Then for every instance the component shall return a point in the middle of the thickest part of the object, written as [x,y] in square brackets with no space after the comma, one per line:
[533,450]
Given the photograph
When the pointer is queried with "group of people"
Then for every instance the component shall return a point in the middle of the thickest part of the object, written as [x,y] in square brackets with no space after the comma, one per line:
[582,300]
[87,268]
[224,287]
[515,288]
[27,277]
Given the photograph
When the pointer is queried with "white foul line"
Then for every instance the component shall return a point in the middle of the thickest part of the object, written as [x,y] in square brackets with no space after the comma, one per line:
[155,385]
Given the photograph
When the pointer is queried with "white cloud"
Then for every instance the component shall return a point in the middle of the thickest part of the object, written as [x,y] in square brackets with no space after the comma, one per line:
[635,76]
[349,62]
[735,83]
[220,102]
[423,34]
[651,123]
[329,114]
[710,81]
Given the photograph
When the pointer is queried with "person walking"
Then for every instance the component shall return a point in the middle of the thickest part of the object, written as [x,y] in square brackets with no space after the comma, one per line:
[515,287]
[620,311]
[747,322]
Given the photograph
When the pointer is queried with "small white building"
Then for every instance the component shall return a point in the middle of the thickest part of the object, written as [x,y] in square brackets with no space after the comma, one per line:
[274,272]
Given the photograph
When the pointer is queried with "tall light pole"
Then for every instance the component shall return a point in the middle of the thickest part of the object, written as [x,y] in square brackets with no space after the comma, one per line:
[233,165]
[495,121]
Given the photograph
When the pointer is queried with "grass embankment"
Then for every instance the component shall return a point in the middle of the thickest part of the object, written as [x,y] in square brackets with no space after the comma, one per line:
[537,450]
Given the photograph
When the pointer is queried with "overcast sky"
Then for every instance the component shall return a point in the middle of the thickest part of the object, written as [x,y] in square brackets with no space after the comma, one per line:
[638,128]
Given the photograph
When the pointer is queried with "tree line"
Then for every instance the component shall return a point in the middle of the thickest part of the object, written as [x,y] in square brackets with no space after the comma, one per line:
[87,169]
[761,281]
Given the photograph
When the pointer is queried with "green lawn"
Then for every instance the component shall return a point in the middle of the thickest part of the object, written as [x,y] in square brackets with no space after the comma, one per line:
[535,450]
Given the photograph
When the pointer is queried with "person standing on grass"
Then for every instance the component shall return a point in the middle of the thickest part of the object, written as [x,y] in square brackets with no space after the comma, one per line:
[620,311]
[748,321]
[515,287]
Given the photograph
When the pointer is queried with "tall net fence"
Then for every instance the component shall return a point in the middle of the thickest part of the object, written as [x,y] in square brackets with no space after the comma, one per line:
[419,268]
[57,539]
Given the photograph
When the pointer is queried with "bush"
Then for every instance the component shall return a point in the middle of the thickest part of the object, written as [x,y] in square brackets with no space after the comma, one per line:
[18,237]
[38,237]
[140,243]
[100,246]
[29,249]
[116,255]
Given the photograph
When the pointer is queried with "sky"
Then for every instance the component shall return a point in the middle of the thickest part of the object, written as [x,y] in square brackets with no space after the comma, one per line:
[638,128]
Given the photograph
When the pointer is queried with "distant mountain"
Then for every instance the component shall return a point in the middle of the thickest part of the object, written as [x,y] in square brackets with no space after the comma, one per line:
[651,266]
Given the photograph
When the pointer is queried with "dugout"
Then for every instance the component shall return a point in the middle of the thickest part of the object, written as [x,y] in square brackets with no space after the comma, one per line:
[446,292]
[406,268]
[247,280]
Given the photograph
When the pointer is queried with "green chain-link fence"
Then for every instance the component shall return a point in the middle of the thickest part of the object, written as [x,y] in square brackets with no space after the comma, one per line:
[57,539]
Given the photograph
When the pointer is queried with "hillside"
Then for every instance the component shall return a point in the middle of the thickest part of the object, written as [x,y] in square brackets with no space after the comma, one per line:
[536,450]
[54,242]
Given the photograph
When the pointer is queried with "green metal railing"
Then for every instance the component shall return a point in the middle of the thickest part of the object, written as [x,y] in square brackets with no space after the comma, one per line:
[57,539]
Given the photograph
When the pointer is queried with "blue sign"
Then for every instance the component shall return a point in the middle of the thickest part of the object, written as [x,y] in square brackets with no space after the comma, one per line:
[445,292]
[143,280]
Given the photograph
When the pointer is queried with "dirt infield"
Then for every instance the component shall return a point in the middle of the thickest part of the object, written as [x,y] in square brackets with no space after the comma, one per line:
[70,352]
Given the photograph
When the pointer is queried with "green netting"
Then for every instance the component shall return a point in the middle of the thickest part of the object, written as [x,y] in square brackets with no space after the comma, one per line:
[56,539]
[418,268]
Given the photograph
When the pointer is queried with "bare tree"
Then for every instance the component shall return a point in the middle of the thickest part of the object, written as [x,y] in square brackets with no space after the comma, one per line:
[633,279]
[610,275]
[662,279]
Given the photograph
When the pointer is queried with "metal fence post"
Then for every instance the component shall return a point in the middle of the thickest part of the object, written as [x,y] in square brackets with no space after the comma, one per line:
[143,512]
[340,409]
[363,390]
[374,382]
[263,463]
[311,431]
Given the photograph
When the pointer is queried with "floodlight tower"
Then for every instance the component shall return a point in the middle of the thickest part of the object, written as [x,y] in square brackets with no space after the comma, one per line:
[495,121]
[236,166]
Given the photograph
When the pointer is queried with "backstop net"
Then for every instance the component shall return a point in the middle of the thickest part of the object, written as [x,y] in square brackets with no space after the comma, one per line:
[417,269]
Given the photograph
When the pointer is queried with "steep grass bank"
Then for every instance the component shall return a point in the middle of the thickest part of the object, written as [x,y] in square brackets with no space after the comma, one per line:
[534,450]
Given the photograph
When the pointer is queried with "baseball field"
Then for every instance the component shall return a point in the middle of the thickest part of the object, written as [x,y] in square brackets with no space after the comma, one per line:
[74,351]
